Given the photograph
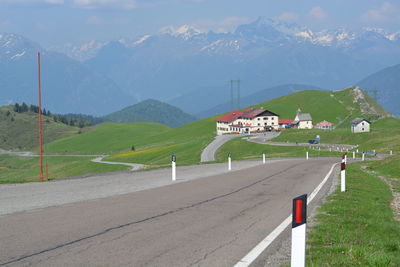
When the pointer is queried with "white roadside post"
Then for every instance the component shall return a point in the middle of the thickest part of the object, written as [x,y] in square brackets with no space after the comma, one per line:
[307,155]
[357,150]
[345,158]
[263,155]
[343,174]
[354,154]
[173,168]
[363,155]
[391,152]
[229,162]
[299,221]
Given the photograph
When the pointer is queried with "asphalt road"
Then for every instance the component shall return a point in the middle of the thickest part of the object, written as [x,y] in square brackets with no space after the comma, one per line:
[30,196]
[213,221]
[210,151]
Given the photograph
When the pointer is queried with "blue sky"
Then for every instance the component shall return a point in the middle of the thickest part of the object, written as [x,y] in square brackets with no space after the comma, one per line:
[53,22]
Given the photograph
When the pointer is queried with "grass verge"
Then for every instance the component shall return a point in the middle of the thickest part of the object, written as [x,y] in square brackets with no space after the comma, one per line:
[356,228]
[15,169]
[242,149]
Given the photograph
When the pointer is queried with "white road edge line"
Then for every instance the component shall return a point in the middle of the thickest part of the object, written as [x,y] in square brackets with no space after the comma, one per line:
[257,250]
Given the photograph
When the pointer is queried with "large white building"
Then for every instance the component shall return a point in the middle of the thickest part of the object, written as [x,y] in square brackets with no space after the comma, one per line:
[247,121]
[360,126]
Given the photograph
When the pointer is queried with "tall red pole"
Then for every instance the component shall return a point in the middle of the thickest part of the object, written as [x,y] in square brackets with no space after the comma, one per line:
[40,122]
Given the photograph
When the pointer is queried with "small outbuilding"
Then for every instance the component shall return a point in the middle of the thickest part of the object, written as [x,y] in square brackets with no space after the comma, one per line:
[285,123]
[360,125]
[324,125]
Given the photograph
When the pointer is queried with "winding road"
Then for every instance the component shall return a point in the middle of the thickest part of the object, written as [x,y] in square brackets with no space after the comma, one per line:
[210,151]
[210,217]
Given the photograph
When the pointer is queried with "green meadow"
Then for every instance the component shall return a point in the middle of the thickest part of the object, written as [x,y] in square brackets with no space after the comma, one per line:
[16,169]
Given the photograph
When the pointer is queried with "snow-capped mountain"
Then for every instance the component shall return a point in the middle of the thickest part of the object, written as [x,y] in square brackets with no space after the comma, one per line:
[79,52]
[179,61]
[15,47]
[68,86]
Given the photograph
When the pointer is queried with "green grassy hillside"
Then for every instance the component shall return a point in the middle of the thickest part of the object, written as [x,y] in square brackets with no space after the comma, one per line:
[107,138]
[155,143]
[337,107]
[384,136]
[19,131]
[151,111]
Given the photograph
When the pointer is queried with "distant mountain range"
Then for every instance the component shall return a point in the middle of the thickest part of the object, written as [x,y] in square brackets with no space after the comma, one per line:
[387,84]
[151,111]
[67,85]
[190,68]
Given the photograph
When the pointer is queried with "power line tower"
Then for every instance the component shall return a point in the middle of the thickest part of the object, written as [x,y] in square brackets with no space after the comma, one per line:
[235,94]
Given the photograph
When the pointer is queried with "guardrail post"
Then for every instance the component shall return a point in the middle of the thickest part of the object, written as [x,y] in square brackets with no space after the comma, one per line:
[299,221]
[173,168]
[343,174]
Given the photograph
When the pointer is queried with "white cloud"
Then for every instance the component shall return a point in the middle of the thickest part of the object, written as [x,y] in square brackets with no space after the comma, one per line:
[386,13]
[288,16]
[317,13]
[94,4]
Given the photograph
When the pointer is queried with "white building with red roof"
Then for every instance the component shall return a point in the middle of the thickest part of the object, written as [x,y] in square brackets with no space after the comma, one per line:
[247,121]
[324,125]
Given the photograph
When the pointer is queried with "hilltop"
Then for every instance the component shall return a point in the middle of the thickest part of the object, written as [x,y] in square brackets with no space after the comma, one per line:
[19,131]
[387,84]
[151,111]
[338,107]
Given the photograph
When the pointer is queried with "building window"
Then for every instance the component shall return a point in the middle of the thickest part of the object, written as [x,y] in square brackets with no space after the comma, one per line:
[258,118]
[362,123]
[272,123]
[363,129]
[258,124]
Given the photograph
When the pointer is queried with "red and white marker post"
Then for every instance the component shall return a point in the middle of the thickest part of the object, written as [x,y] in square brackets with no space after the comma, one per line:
[343,174]
[173,168]
[299,221]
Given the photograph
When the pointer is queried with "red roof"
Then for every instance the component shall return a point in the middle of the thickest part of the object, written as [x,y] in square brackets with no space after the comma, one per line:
[324,123]
[231,116]
[251,113]
[285,121]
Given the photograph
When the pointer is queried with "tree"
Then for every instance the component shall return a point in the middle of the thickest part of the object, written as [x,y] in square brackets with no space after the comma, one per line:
[24,107]
[16,107]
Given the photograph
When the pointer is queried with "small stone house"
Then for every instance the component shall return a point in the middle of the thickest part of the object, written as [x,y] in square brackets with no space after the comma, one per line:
[360,125]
